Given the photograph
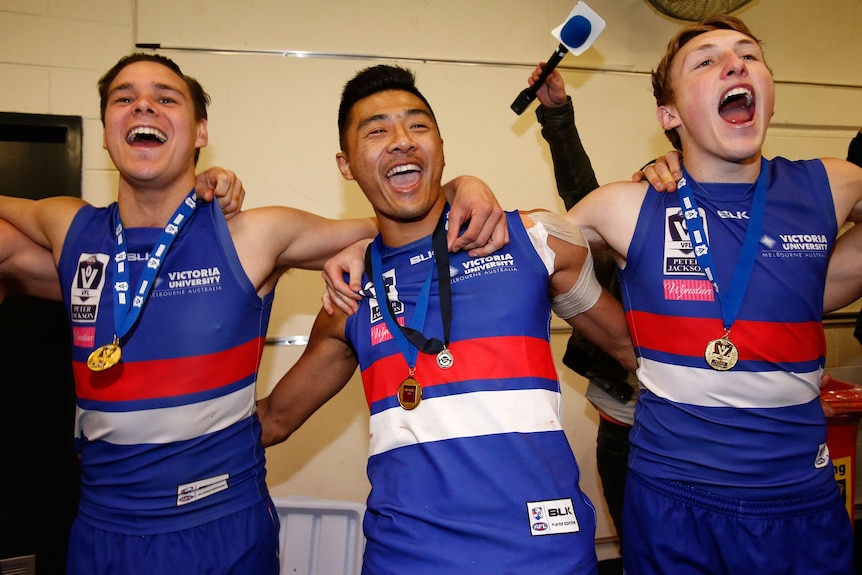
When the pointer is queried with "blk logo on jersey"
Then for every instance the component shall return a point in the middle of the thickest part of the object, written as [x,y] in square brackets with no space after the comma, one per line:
[552,517]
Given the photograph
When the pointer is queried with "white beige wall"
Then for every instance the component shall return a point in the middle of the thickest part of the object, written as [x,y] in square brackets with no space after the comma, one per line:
[273,121]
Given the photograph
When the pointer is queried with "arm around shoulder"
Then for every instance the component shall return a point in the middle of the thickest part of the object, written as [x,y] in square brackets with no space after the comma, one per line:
[608,215]
[25,267]
[845,180]
[44,221]
[473,202]
[843,280]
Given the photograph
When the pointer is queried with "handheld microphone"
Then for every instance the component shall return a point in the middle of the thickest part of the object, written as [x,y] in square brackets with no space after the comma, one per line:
[576,34]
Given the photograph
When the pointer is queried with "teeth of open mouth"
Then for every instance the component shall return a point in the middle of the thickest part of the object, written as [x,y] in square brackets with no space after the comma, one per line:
[402,169]
[146,133]
[737,93]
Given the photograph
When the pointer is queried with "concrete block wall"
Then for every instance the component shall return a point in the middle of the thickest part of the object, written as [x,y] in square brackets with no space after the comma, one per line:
[52,53]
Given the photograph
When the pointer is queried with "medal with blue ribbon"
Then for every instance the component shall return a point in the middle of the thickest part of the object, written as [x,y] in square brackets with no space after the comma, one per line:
[126,311]
[721,354]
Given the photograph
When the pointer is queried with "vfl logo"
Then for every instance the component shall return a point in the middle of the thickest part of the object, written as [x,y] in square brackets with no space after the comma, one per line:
[391,292]
[677,232]
[679,257]
[722,347]
[90,273]
[87,287]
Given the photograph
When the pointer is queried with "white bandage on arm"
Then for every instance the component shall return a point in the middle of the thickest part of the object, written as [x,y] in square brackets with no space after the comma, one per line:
[586,291]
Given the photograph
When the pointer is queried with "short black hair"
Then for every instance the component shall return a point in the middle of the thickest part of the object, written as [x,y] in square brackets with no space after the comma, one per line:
[370,81]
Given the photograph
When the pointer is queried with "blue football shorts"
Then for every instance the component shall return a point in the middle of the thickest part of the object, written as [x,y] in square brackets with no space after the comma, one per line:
[243,543]
[674,528]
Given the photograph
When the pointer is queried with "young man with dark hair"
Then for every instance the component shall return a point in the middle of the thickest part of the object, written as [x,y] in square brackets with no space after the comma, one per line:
[469,466]
[169,304]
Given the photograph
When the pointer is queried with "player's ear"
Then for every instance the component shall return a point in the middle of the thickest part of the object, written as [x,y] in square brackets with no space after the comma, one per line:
[343,165]
[667,117]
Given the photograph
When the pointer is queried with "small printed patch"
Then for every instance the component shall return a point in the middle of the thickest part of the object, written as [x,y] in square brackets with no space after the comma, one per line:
[552,517]
[822,457]
[191,492]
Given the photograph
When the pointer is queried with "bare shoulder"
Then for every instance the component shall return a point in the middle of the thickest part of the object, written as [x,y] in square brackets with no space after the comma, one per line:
[623,191]
[58,210]
[845,180]
[555,225]
[615,196]
[260,236]
[608,214]
[841,171]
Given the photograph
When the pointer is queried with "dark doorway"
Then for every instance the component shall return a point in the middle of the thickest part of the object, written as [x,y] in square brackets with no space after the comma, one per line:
[40,156]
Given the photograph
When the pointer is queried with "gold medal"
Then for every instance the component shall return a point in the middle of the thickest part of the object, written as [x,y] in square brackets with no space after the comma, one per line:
[445,359]
[721,354]
[409,393]
[105,357]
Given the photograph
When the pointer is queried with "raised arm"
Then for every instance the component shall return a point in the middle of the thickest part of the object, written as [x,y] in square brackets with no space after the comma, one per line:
[572,168]
[472,202]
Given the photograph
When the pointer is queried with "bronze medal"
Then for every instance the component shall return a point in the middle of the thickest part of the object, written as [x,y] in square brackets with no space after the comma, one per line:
[105,357]
[409,393]
[445,359]
[721,354]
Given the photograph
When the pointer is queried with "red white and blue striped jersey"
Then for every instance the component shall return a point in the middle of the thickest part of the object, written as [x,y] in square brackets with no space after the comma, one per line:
[458,482]
[757,430]
[168,438]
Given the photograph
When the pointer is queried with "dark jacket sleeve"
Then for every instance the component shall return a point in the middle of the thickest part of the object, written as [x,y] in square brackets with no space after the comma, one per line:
[572,168]
[854,151]
[575,179]
[854,154]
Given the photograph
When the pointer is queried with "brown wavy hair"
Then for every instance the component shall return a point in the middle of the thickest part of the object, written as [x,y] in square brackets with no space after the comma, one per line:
[662,86]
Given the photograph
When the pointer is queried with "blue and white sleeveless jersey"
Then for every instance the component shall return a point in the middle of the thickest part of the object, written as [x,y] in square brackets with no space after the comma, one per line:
[757,430]
[479,478]
[168,438]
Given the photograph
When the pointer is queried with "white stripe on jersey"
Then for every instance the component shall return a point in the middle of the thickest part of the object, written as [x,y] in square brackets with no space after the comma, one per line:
[465,415]
[166,425]
[741,389]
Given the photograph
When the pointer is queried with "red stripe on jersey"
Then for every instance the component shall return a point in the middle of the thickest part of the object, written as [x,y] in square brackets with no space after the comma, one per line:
[475,359]
[755,340]
[129,381]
